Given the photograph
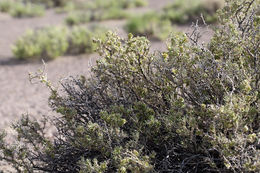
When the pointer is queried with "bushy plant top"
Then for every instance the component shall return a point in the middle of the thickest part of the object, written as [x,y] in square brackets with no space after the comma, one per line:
[192,108]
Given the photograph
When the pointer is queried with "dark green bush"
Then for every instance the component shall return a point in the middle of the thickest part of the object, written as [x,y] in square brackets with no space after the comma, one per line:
[149,25]
[183,11]
[192,108]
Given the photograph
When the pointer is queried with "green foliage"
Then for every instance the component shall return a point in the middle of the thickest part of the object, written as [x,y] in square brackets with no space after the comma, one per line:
[47,43]
[150,25]
[76,18]
[52,42]
[111,13]
[98,4]
[19,9]
[101,6]
[98,10]
[82,17]
[68,7]
[183,11]
[192,108]
[26,10]
[5,5]
[80,41]
[50,3]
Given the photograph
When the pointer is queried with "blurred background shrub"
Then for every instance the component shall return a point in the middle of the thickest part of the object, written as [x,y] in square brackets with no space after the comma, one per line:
[20,9]
[150,25]
[45,43]
[184,11]
[51,42]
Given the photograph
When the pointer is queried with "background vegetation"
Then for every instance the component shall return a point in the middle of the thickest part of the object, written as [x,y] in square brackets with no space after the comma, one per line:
[150,25]
[19,9]
[159,24]
[51,42]
[184,11]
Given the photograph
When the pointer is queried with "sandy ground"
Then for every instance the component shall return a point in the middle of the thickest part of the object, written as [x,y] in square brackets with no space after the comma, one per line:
[17,95]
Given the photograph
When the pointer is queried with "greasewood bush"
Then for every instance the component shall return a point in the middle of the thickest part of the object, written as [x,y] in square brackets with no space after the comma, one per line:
[150,25]
[20,9]
[50,3]
[100,5]
[82,17]
[110,13]
[80,41]
[5,5]
[184,11]
[45,43]
[192,108]
[51,42]
[98,10]
[26,10]
[78,17]
[97,4]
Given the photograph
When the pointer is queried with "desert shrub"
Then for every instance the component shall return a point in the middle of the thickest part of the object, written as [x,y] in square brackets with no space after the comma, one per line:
[80,41]
[110,13]
[192,108]
[50,3]
[183,11]
[82,17]
[51,42]
[98,4]
[132,3]
[101,10]
[46,43]
[150,25]
[26,10]
[101,5]
[79,17]
[20,9]
[68,7]
[5,5]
